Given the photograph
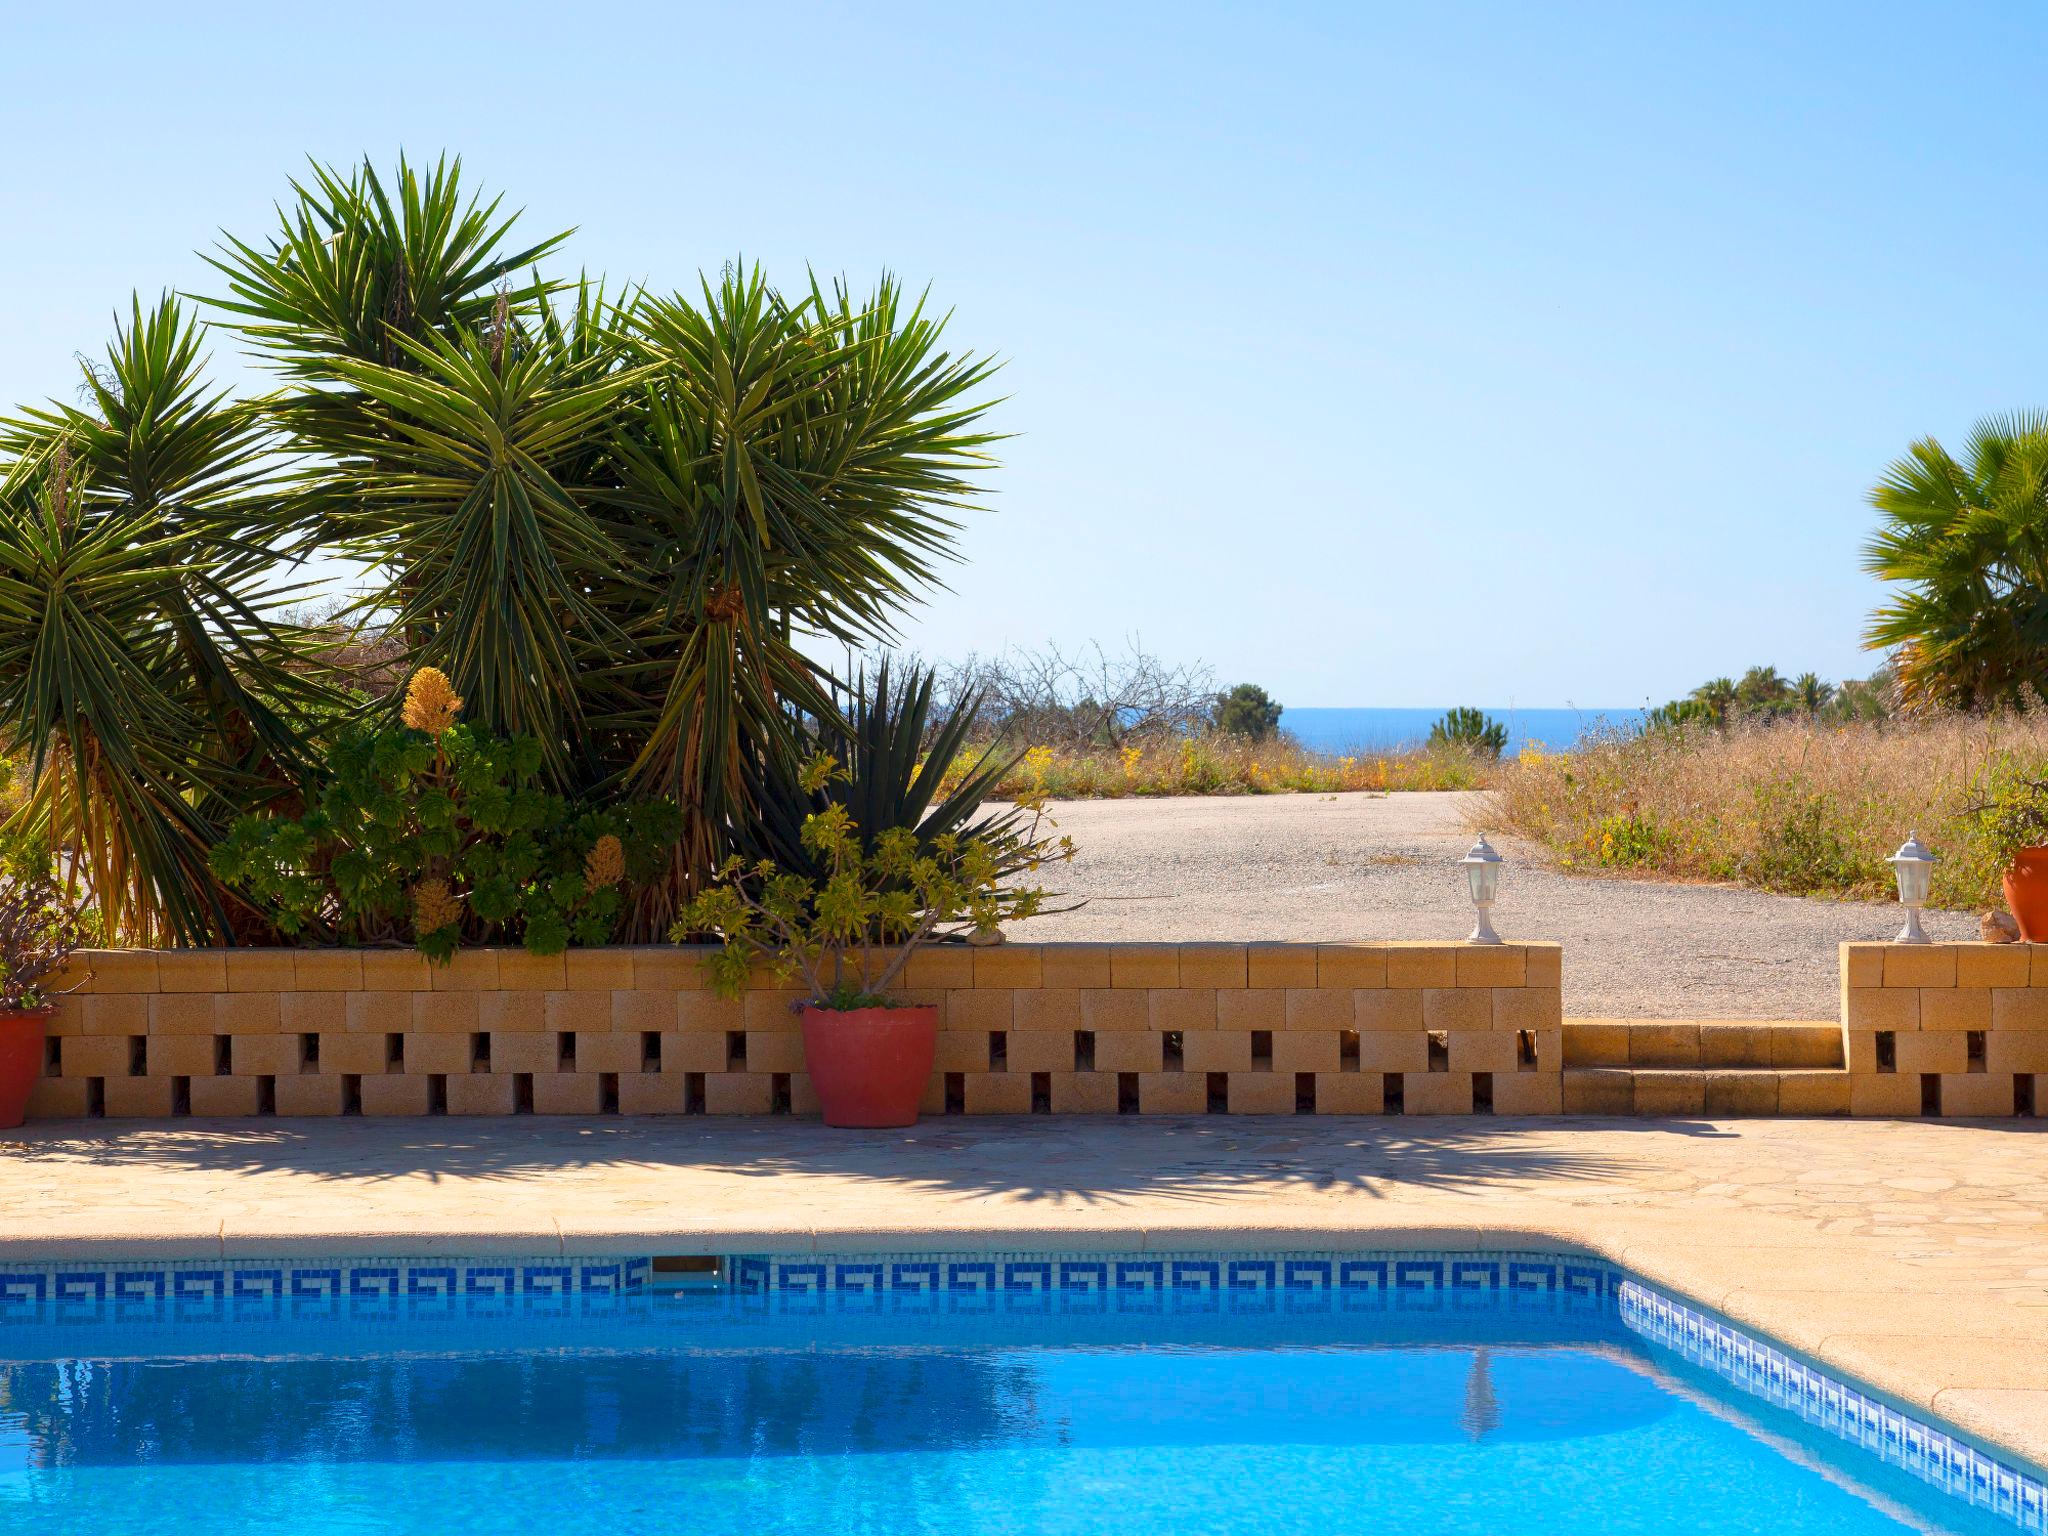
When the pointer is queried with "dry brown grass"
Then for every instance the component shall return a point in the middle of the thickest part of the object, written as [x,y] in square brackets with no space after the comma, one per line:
[1804,809]
[1222,765]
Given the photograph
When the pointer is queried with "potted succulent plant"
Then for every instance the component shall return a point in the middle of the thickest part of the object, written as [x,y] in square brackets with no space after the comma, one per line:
[847,926]
[39,932]
[2014,825]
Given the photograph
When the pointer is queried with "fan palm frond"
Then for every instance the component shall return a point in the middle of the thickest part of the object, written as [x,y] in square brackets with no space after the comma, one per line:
[1968,541]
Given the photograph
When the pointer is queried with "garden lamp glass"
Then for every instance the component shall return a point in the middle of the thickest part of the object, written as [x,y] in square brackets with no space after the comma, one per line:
[1913,865]
[1482,874]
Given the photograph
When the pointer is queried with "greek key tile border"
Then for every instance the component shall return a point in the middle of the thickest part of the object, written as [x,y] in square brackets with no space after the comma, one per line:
[1763,1370]
[261,1290]
[1154,1282]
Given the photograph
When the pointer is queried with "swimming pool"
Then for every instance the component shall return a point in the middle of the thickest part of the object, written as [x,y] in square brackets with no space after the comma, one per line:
[1010,1393]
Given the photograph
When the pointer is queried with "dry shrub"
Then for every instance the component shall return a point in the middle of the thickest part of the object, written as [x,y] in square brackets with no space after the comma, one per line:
[1223,765]
[1807,809]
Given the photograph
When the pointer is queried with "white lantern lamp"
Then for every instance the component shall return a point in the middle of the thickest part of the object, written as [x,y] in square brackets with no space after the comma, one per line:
[1482,874]
[1913,867]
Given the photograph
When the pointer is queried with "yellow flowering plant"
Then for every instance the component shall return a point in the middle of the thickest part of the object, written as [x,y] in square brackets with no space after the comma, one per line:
[438,833]
[848,926]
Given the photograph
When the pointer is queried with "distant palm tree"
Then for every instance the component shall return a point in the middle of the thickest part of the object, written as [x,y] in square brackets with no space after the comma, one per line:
[1812,693]
[1969,539]
[1762,685]
[1717,694]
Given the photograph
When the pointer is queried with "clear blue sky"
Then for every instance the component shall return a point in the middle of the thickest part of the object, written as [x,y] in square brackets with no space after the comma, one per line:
[1382,354]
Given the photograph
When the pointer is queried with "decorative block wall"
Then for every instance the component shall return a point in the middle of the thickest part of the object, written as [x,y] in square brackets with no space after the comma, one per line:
[1946,1029]
[1024,1028]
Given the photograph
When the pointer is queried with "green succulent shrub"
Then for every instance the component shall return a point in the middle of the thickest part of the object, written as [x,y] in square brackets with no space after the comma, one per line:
[848,923]
[445,835]
[1471,730]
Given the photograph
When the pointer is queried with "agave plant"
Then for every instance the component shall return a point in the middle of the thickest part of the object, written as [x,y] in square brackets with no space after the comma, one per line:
[891,761]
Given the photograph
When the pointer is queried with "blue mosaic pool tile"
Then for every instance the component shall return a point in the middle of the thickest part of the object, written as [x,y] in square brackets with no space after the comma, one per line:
[1780,1378]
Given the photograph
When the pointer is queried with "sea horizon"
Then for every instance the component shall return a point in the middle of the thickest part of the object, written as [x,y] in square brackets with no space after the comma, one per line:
[1341,729]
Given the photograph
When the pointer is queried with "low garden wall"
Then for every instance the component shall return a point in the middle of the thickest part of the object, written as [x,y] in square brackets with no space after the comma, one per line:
[1024,1028]
[1946,1029]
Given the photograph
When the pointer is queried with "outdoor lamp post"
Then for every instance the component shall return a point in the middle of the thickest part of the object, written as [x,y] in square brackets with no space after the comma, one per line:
[1482,874]
[1913,865]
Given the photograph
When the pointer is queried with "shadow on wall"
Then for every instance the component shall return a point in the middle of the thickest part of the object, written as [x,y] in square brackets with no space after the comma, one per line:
[1055,1160]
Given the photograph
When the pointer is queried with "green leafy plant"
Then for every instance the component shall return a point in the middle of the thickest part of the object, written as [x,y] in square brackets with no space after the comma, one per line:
[1248,711]
[849,928]
[40,930]
[444,833]
[2015,817]
[1470,730]
[1804,842]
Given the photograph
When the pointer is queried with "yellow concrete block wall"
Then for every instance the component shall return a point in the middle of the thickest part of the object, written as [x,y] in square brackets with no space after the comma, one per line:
[1103,1029]
[1949,1030]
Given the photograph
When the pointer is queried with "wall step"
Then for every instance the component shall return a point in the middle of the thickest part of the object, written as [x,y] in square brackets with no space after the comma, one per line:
[1718,1091]
[1703,1044]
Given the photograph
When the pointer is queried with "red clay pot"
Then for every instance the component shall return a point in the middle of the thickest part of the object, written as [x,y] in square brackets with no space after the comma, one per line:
[21,1062]
[869,1065]
[2026,893]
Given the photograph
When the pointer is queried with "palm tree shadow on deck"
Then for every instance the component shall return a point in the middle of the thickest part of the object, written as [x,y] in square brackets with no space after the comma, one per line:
[1063,1161]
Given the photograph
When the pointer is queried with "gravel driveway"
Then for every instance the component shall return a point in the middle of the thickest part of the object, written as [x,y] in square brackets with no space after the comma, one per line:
[1361,866]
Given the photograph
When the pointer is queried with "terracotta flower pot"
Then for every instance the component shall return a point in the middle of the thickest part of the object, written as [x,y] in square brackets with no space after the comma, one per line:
[869,1065]
[2026,893]
[21,1061]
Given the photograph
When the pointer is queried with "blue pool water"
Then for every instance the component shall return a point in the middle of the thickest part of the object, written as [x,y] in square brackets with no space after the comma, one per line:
[915,1396]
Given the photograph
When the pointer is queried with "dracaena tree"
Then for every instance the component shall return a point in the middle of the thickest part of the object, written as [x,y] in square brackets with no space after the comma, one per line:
[613,520]
[142,668]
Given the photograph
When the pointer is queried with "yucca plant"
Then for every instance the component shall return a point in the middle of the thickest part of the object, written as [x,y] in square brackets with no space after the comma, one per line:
[357,272]
[142,668]
[615,523]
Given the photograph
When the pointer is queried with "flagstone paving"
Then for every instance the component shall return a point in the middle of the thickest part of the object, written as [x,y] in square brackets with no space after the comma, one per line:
[1912,1254]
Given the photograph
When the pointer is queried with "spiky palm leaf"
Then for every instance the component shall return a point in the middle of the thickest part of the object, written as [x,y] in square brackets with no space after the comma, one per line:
[1969,539]
[356,273]
[139,665]
[778,479]
[443,478]
[893,760]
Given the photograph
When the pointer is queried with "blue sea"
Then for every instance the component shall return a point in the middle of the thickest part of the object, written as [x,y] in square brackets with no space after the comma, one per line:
[1384,730]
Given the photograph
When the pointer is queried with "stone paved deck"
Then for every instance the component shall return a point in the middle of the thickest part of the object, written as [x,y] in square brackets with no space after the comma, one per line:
[1913,1255]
